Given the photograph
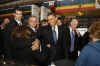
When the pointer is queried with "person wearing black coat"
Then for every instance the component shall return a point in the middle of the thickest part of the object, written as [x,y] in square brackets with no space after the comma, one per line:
[14,22]
[54,36]
[25,48]
[1,41]
[2,34]
[73,39]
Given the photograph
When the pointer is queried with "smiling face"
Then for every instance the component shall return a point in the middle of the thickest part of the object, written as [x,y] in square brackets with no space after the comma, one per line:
[33,21]
[18,15]
[52,20]
[74,23]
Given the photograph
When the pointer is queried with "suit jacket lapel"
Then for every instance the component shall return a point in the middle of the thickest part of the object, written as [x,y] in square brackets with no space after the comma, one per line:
[15,23]
[69,37]
[69,33]
[51,34]
[59,33]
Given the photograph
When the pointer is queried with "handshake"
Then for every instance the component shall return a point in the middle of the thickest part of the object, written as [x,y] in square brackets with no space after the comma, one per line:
[36,45]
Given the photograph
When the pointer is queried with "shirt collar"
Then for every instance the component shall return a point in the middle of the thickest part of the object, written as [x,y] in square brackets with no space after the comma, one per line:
[56,27]
[18,21]
[70,29]
[33,28]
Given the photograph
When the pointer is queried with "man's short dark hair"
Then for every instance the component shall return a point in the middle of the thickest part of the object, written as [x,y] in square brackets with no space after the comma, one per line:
[32,17]
[17,9]
[52,14]
[73,18]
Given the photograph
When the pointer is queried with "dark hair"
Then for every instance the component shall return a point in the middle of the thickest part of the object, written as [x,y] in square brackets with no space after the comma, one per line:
[23,32]
[43,21]
[17,9]
[51,14]
[59,18]
[70,20]
[32,17]
[73,18]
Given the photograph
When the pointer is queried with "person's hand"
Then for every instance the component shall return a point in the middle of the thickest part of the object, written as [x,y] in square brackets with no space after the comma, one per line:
[48,45]
[78,33]
[35,45]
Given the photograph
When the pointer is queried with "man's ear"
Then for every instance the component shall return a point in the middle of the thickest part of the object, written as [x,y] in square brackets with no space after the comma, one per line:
[14,14]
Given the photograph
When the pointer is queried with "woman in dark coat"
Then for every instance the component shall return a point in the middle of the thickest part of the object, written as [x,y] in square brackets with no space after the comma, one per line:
[25,48]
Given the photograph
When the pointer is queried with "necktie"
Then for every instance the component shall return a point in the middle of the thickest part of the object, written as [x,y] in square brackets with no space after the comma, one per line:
[54,36]
[72,41]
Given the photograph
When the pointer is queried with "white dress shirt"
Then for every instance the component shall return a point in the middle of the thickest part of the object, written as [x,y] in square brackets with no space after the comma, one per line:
[56,29]
[18,22]
[33,29]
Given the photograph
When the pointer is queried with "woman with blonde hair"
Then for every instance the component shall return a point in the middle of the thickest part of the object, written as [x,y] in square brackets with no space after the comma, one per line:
[90,55]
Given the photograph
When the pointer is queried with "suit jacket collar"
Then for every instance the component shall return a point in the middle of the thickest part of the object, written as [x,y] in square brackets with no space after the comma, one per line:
[32,28]
[59,32]
[15,22]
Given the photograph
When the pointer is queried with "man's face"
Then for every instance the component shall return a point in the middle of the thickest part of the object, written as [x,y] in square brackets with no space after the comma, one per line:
[33,21]
[18,15]
[52,20]
[74,23]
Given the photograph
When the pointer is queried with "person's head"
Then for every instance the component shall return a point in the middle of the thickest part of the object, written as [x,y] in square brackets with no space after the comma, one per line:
[33,21]
[73,23]
[44,23]
[18,13]
[52,20]
[23,32]
[6,20]
[94,31]
[59,21]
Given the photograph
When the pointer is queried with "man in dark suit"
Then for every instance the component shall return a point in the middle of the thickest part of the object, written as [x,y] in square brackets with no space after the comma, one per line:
[53,36]
[16,21]
[72,38]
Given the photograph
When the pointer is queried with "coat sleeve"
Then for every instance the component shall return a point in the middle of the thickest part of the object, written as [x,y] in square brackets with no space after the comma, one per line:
[82,59]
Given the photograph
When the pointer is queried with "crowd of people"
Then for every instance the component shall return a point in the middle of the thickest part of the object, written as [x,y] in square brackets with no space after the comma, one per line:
[47,43]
